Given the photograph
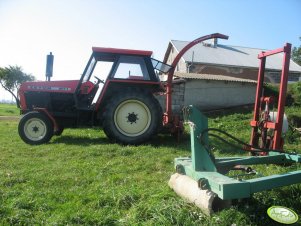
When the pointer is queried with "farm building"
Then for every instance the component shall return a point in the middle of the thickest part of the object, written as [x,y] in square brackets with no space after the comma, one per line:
[213,76]
[208,92]
[239,62]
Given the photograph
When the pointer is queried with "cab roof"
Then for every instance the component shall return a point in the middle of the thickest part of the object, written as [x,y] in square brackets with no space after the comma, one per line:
[122,51]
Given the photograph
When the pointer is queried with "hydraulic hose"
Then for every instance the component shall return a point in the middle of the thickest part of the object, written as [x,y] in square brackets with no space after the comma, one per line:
[246,146]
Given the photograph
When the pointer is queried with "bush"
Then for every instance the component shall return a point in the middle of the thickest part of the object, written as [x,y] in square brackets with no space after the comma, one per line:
[295,91]
[295,120]
[293,96]
[273,90]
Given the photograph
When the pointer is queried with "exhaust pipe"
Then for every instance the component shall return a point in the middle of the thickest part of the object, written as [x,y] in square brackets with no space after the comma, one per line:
[49,66]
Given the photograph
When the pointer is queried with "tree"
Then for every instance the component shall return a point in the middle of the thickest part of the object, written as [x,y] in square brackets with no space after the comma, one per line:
[296,55]
[11,78]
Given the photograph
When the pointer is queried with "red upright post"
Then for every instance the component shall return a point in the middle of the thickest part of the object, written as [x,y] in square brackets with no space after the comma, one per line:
[282,95]
[259,94]
[264,124]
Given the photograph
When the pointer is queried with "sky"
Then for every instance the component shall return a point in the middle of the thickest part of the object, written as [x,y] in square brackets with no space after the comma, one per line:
[30,29]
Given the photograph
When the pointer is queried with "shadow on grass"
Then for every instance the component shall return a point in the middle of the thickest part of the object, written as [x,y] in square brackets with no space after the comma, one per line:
[256,207]
[169,141]
[224,148]
[229,151]
[158,141]
[81,141]
[229,111]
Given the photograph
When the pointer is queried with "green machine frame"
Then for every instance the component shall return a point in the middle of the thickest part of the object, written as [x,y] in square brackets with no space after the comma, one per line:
[210,172]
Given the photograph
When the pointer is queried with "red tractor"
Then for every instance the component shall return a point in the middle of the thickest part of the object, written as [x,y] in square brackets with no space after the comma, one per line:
[123,104]
[125,107]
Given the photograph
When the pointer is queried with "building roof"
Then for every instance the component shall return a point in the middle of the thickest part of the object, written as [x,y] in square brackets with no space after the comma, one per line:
[213,77]
[227,55]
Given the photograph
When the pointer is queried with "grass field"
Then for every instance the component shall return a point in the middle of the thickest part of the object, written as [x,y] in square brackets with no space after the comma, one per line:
[9,110]
[80,178]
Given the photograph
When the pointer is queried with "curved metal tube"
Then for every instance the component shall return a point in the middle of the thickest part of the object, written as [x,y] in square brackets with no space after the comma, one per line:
[168,114]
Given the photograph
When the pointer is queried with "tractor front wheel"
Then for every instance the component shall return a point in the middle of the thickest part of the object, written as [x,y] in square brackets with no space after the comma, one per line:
[35,128]
[132,117]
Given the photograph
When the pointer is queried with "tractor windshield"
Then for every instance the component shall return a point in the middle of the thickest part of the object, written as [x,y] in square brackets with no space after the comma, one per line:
[89,69]
[160,66]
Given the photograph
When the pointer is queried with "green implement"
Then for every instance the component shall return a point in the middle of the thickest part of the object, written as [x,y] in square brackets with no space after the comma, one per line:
[202,179]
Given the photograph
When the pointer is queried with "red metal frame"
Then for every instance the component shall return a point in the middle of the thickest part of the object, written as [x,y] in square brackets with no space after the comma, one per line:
[168,116]
[122,51]
[276,140]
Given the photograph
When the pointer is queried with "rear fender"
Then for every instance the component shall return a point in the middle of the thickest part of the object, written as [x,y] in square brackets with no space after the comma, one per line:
[111,87]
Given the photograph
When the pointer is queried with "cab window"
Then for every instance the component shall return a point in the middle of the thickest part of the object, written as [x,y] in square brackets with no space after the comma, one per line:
[131,67]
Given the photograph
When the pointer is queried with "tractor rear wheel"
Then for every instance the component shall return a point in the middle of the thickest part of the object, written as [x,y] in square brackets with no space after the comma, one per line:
[35,128]
[132,117]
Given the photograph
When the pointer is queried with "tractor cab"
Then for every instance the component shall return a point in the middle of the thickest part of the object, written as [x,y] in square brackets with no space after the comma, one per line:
[110,68]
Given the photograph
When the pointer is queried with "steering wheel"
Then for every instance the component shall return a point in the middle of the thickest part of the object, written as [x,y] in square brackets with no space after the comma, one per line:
[99,80]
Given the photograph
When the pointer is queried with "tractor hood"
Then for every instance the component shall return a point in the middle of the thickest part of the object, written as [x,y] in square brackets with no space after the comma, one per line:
[51,86]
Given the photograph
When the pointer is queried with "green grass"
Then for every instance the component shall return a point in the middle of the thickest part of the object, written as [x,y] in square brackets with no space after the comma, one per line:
[9,110]
[80,178]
